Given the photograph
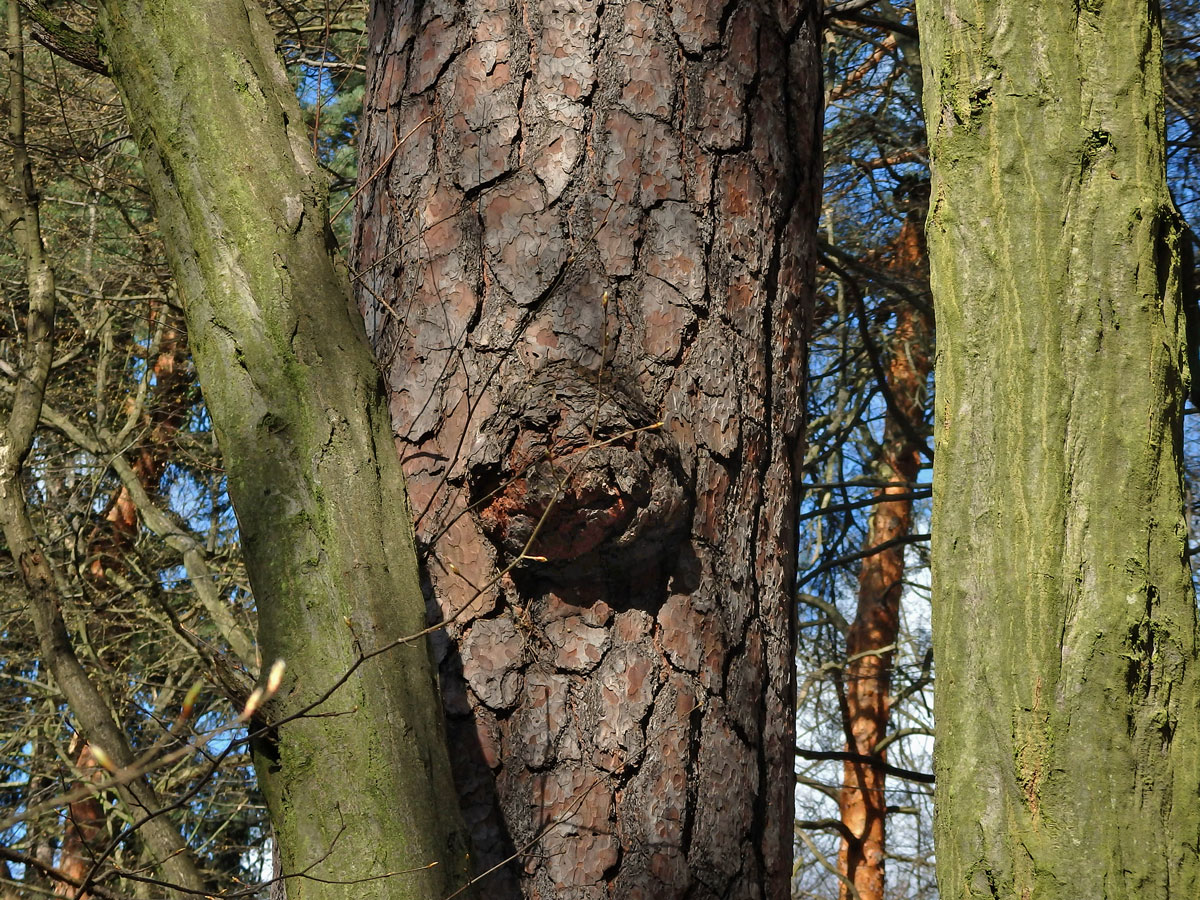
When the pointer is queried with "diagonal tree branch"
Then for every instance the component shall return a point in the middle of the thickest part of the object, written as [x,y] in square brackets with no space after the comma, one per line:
[62,40]
[17,431]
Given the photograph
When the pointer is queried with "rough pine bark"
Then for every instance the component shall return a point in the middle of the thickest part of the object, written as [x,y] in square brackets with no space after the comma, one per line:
[585,250]
[871,639]
[1064,619]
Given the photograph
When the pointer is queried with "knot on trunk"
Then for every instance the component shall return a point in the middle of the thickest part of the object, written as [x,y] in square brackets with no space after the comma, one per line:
[574,467]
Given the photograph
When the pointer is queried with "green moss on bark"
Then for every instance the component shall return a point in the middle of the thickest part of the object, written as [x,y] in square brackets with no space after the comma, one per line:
[363,788]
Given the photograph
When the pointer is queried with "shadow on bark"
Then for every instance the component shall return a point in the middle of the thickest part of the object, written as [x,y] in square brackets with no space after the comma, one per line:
[494,857]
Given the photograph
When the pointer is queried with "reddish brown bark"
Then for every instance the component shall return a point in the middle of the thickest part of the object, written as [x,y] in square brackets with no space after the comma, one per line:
[591,218]
[160,421]
[84,834]
[876,625]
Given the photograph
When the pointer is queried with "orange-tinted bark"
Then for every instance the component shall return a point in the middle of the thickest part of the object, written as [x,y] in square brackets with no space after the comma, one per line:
[161,421]
[851,83]
[880,583]
[84,835]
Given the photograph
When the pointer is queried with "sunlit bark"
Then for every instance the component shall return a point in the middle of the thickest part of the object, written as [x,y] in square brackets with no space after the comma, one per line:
[1064,619]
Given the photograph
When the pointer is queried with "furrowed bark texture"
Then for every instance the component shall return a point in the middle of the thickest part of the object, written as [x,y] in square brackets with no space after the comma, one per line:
[359,789]
[1064,620]
[589,218]
[868,675]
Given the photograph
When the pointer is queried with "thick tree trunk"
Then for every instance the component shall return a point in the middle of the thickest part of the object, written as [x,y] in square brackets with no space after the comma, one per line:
[357,790]
[1068,746]
[872,637]
[587,219]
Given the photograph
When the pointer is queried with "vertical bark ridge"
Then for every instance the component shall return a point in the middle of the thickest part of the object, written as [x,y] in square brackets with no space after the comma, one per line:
[589,218]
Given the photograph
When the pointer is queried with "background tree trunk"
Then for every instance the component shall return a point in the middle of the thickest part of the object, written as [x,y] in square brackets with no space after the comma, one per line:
[1068,747]
[586,219]
[357,791]
[84,833]
[108,545]
[871,640]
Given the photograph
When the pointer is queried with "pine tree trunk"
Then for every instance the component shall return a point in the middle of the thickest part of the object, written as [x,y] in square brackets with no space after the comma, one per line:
[1068,746]
[587,219]
[872,637]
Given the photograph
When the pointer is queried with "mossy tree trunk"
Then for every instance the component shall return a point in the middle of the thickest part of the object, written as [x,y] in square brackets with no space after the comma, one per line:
[1064,619]
[359,790]
[587,218]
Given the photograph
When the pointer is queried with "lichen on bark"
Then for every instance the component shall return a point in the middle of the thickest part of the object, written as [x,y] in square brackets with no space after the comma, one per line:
[356,787]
